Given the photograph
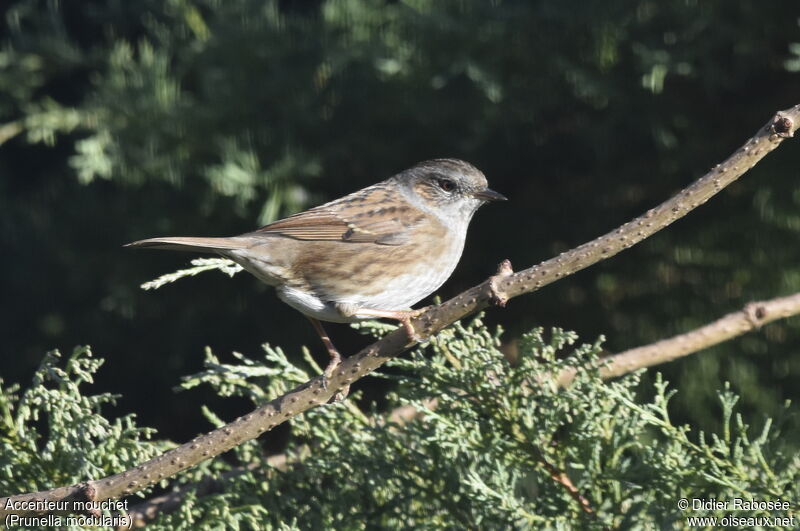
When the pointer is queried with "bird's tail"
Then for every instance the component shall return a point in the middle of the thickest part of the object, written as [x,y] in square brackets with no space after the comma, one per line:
[189,243]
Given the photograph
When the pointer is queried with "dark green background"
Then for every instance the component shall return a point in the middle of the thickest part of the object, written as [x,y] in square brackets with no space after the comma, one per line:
[204,117]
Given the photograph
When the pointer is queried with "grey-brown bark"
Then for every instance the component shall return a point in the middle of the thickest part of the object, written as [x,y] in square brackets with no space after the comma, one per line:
[495,290]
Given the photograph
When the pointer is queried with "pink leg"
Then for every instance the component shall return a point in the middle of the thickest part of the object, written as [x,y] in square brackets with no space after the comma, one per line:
[404,316]
[336,358]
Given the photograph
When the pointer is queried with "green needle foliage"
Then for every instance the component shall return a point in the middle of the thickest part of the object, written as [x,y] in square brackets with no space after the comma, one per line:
[500,446]
[52,434]
[125,120]
[503,446]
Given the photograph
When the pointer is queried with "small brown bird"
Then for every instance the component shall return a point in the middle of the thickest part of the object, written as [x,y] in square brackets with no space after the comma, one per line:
[371,254]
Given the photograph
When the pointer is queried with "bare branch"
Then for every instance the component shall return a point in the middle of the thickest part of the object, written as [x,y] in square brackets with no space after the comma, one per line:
[143,513]
[752,316]
[500,287]
[561,477]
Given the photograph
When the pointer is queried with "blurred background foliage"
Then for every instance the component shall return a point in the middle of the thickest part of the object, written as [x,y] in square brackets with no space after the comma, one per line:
[124,120]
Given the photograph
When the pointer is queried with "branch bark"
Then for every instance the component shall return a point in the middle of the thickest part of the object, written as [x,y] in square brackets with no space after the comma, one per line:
[147,511]
[752,316]
[496,290]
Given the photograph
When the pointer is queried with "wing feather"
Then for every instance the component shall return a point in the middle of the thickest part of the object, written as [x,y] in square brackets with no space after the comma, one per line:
[378,214]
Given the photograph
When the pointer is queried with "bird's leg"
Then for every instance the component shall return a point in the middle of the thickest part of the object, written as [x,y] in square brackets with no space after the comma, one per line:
[404,316]
[336,358]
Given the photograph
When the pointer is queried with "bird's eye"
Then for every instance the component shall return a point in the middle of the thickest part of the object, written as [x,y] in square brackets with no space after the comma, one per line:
[446,184]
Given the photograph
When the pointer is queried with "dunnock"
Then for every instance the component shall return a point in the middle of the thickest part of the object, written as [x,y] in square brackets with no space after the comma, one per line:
[373,253]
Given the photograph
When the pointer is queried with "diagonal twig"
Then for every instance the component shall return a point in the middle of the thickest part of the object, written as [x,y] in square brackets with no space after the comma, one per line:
[502,287]
[752,316]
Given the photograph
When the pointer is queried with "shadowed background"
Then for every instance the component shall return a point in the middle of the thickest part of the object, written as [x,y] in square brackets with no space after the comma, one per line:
[125,120]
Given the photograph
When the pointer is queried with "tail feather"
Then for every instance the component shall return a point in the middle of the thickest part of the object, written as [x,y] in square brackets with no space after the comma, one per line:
[188,243]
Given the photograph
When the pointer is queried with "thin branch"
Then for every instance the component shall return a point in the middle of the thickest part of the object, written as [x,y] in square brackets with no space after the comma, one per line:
[150,509]
[500,288]
[143,513]
[561,477]
[751,317]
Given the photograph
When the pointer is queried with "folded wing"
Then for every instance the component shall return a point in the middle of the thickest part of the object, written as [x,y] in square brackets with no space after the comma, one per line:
[378,214]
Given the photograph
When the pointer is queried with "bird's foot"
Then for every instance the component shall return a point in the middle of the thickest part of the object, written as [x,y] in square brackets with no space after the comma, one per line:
[327,374]
[404,316]
[408,326]
[333,364]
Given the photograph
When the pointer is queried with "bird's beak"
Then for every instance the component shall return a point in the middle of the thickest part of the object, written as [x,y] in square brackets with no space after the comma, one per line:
[489,195]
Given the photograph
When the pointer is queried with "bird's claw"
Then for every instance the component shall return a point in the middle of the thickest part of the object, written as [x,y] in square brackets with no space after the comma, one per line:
[327,374]
[411,333]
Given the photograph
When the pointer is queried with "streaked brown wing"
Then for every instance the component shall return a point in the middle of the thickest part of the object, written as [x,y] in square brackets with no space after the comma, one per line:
[378,214]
